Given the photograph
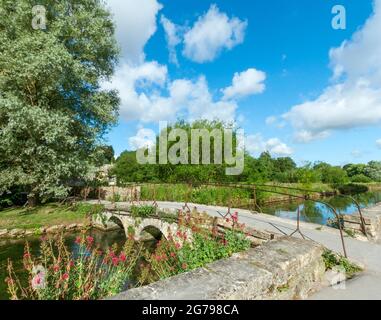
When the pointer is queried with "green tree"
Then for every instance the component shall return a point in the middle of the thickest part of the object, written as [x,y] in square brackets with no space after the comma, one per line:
[334,175]
[307,175]
[373,170]
[127,169]
[284,164]
[266,166]
[354,169]
[53,111]
[106,154]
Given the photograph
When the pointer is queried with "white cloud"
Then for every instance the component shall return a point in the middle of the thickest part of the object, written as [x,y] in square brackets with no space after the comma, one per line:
[304,136]
[355,99]
[147,95]
[137,90]
[212,33]
[246,83]
[271,120]
[135,25]
[144,138]
[378,142]
[256,144]
[172,33]
[275,121]
[277,147]
[200,103]
[357,153]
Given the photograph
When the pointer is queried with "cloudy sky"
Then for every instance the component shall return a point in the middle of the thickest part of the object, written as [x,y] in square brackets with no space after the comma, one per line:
[277,68]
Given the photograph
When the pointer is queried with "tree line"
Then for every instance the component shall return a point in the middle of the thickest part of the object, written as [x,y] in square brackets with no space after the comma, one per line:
[264,168]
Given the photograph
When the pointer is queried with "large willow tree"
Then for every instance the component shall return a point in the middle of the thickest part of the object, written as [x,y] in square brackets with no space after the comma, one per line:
[53,111]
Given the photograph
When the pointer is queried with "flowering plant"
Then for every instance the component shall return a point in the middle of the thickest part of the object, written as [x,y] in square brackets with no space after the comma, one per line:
[88,274]
[176,254]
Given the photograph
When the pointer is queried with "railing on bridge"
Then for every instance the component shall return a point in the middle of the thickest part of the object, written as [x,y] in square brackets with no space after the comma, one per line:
[290,192]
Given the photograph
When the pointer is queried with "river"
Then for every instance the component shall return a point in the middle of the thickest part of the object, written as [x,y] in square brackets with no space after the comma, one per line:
[319,213]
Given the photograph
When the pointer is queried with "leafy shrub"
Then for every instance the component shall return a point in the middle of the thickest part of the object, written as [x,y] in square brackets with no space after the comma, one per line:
[177,255]
[332,260]
[142,211]
[361,178]
[59,275]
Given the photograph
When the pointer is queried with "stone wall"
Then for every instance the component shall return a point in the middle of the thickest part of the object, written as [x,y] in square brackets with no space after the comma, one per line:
[124,194]
[372,219]
[287,268]
[110,193]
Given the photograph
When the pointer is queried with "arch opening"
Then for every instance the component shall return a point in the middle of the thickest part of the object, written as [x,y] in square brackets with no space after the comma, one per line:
[152,231]
[114,223]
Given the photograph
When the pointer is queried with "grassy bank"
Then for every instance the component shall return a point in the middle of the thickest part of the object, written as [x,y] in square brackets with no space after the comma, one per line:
[238,197]
[45,216]
[223,195]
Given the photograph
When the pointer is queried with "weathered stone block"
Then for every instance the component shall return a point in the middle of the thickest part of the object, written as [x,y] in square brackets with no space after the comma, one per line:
[14,233]
[55,229]
[3,233]
[72,227]
[29,233]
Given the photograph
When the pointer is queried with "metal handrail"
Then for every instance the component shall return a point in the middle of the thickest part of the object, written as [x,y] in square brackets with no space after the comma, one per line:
[363,223]
[326,204]
[357,204]
[275,192]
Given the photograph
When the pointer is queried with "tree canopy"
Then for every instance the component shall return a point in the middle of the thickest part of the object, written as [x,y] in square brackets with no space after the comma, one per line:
[265,168]
[53,111]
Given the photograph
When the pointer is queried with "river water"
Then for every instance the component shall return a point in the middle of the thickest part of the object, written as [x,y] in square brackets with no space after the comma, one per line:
[310,212]
[319,213]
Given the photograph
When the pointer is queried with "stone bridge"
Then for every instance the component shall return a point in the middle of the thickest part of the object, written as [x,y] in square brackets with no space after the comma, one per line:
[112,220]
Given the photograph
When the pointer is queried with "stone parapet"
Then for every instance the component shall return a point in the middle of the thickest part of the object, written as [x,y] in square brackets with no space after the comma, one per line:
[287,268]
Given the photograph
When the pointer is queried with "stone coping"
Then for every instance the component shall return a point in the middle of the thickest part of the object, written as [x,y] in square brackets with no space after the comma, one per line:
[287,268]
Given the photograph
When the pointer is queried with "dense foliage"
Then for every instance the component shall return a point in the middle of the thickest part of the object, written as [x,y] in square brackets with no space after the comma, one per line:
[53,111]
[180,253]
[265,168]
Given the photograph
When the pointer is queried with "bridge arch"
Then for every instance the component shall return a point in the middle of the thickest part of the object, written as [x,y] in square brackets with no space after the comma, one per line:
[153,231]
[154,226]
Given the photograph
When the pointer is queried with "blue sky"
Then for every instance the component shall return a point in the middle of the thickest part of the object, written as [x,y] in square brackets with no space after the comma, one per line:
[290,95]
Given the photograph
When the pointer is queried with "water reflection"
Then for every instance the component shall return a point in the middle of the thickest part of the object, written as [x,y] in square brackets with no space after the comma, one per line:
[319,213]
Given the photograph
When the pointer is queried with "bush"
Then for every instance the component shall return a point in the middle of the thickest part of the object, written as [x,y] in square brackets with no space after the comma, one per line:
[142,211]
[361,178]
[177,255]
[332,260]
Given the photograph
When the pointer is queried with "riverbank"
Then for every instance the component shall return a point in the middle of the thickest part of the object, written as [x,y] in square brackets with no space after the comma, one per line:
[50,218]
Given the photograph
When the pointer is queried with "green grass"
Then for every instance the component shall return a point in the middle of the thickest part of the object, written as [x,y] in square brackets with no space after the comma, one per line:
[45,216]
[223,195]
